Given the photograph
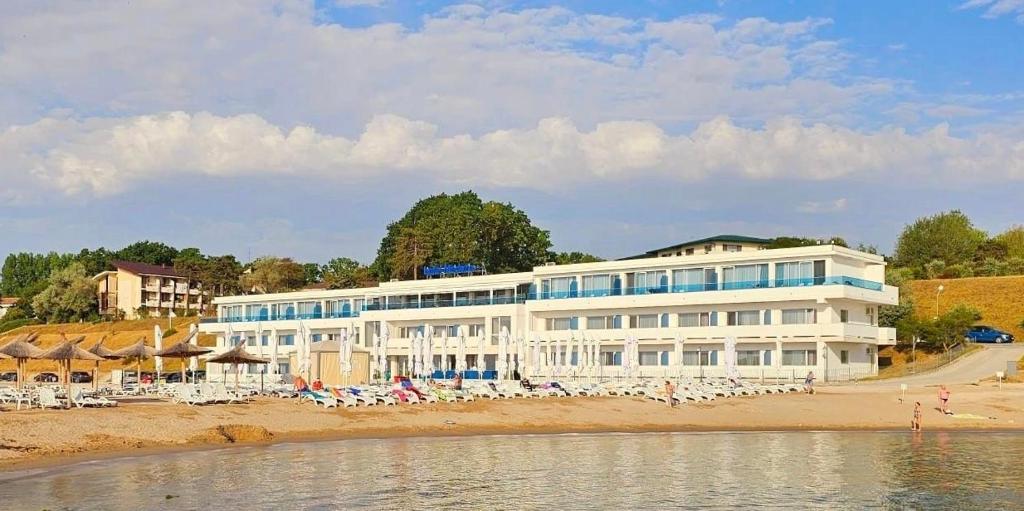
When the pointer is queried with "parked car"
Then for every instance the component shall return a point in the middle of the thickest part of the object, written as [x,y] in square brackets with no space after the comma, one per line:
[80,377]
[46,378]
[176,377]
[982,333]
[9,376]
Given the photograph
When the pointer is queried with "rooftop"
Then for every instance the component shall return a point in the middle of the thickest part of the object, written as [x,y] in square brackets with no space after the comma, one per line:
[146,269]
[8,301]
[721,238]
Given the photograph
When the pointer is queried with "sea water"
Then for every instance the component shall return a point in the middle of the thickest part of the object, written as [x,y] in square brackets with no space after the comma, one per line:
[784,470]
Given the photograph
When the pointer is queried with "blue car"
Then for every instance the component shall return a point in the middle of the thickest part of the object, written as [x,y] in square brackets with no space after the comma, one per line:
[982,333]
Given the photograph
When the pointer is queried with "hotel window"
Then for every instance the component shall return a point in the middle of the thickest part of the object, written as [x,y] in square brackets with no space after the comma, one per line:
[799,357]
[689,251]
[767,358]
[844,357]
[870,311]
[800,273]
[286,340]
[597,285]
[250,340]
[306,309]
[693,279]
[650,281]
[283,368]
[256,312]
[561,287]
[767,317]
[476,330]
[643,321]
[617,321]
[233,312]
[496,323]
[265,340]
[599,322]
[748,357]
[747,276]
[743,318]
[316,338]
[611,358]
[700,357]
[664,321]
[557,324]
[694,319]
[799,316]
[649,358]
[732,248]
[844,316]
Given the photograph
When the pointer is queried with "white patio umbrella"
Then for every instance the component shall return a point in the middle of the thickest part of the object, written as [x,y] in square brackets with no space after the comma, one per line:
[502,363]
[679,355]
[580,355]
[429,350]
[345,354]
[158,344]
[481,342]
[382,356]
[460,357]
[627,357]
[521,356]
[444,350]
[535,363]
[193,363]
[731,371]
[273,351]
[418,354]
[305,365]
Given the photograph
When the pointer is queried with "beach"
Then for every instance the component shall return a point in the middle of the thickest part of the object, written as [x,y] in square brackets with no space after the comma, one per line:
[47,437]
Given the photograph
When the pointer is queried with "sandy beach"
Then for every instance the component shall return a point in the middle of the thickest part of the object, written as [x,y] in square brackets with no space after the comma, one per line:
[46,437]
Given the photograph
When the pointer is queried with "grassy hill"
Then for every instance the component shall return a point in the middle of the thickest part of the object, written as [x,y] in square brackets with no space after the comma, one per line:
[999,299]
[119,335]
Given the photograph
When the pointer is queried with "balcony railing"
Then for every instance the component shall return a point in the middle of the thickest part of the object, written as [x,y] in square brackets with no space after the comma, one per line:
[587,293]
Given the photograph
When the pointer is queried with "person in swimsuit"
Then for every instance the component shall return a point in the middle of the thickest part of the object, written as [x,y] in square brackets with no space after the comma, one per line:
[944,399]
[670,391]
[915,423]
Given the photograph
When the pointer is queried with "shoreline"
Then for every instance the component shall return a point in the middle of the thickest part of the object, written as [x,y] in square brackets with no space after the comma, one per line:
[99,434]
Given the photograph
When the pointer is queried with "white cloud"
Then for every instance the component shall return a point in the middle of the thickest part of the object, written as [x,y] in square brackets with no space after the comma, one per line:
[997,8]
[359,3]
[103,156]
[816,207]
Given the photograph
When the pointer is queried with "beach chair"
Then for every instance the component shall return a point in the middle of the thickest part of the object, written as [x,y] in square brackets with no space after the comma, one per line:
[187,394]
[345,399]
[79,399]
[7,395]
[318,399]
[364,398]
[221,395]
[48,399]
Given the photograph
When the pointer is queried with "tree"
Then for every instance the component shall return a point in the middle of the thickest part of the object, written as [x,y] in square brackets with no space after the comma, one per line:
[345,273]
[273,275]
[573,258]
[793,241]
[461,228]
[95,261]
[24,270]
[70,296]
[1013,240]
[149,252]
[951,327]
[312,273]
[190,262]
[947,237]
[221,275]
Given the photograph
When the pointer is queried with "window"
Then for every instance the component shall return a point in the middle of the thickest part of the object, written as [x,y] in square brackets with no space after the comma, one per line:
[648,358]
[748,357]
[476,330]
[689,251]
[799,357]
[767,317]
[664,321]
[561,287]
[643,321]
[286,340]
[250,340]
[799,316]
[611,358]
[767,356]
[233,312]
[732,248]
[254,368]
[748,276]
[690,358]
[265,340]
[558,323]
[844,357]
[844,316]
[742,318]
[306,309]
[870,311]
[694,319]
[700,357]
[283,368]
[650,281]
[597,285]
[599,322]
[617,321]
[692,279]
[497,323]
[664,358]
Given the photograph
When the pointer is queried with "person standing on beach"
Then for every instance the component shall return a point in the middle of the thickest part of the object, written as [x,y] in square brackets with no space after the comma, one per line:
[943,399]
[915,423]
[670,392]
[809,382]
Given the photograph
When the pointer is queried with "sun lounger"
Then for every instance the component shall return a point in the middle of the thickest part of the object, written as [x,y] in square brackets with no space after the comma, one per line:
[364,398]
[318,399]
[187,394]
[79,399]
[48,399]
[221,395]
[345,399]
[8,395]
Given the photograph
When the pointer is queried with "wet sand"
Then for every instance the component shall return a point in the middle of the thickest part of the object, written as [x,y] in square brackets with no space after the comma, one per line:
[48,437]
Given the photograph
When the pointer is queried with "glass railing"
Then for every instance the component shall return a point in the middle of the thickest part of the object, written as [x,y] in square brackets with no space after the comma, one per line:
[586,293]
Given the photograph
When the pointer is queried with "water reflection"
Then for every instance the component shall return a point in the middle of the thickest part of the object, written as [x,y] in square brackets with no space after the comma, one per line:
[651,471]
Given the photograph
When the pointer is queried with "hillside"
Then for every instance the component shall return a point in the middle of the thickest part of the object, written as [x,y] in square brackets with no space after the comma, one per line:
[119,335]
[1000,299]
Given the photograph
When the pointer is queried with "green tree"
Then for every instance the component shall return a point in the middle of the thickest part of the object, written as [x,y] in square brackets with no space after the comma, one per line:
[573,258]
[313,273]
[95,261]
[947,237]
[273,275]
[793,241]
[149,252]
[25,270]
[189,262]
[460,228]
[221,275]
[1013,240]
[345,273]
[952,326]
[70,296]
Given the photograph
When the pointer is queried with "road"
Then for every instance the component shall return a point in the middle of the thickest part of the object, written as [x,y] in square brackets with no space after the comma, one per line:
[981,364]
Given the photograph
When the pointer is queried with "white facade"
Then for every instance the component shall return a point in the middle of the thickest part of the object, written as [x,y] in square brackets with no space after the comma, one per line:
[790,311]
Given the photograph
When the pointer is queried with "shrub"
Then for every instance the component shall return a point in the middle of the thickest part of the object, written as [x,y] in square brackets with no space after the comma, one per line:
[6,326]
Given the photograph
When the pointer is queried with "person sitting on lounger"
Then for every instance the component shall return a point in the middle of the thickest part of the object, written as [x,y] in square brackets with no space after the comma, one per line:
[300,384]
[318,385]
[525,382]
[457,382]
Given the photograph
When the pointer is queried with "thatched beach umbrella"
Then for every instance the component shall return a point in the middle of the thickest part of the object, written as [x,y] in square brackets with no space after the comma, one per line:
[100,351]
[137,352]
[183,350]
[22,349]
[237,356]
[64,353]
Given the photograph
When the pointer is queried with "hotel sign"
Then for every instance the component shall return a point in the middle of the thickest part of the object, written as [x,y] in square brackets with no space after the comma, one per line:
[450,269]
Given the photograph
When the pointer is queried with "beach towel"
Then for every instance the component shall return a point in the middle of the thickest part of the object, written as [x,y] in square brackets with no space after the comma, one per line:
[970,416]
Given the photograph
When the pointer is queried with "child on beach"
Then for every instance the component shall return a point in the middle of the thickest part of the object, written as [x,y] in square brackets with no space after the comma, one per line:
[915,423]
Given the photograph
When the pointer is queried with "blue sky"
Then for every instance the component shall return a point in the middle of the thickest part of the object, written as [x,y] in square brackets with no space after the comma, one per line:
[302,128]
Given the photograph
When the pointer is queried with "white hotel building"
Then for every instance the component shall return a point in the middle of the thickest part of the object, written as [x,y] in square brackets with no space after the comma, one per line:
[790,310]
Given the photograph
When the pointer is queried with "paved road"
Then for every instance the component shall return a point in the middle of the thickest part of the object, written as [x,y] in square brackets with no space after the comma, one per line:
[981,364]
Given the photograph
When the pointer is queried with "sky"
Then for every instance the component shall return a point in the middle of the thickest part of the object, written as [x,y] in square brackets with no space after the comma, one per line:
[302,128]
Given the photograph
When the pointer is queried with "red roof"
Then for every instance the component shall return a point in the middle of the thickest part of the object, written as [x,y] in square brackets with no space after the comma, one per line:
[8,300]
[146,269]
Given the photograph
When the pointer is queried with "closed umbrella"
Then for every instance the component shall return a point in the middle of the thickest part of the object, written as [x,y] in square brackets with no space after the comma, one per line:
[548,358]
[383,354]
[535,363]
[273,351]
[502,363]
[679,355]
[64,353]
[481,342]
[304,354]
[137,352]
[22,349]
[236,356]
[429,351]
[460,358]
[626,357]
[521,355]
[580,356]
[418,353]
[346,354]
[158,344]
[731,371]
[193,363]
[184,350]
[100,351]
[444,350]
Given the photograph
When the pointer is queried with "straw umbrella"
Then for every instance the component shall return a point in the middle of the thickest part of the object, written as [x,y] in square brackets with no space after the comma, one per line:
[64,353]
[237,356]
[100,351]
[137,352]
[184,350]
[22,349]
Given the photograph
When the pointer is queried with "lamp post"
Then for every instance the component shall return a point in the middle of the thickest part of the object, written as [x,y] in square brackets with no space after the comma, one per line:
[938,291]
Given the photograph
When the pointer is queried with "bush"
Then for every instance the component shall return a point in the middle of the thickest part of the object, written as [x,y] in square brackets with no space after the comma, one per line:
[6,326]
[170,332]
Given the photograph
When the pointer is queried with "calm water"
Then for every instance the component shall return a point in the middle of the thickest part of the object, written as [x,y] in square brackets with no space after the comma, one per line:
[642,471]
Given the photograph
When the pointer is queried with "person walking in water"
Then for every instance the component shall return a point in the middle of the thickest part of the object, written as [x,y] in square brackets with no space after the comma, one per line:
[944,399]
[915,423]
[670,392]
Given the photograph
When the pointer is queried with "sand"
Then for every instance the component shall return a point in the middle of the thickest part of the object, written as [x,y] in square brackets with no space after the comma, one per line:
[46,437]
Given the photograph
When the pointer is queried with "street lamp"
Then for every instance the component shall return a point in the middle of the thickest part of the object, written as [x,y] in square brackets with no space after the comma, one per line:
[937,293]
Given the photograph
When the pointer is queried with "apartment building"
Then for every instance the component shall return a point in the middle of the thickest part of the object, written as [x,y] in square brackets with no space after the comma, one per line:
[137,290]
[789,311]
